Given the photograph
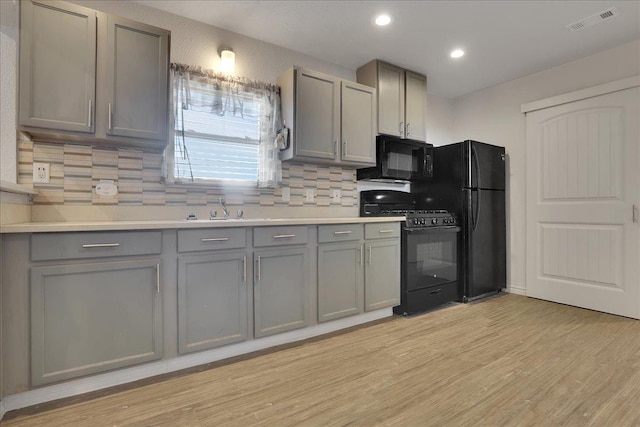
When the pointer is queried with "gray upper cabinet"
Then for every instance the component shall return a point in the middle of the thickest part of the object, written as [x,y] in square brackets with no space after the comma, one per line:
[331,121]
[57,66]
[136,79]
[89,318]
[86,76]
[280,290]
[415,106]
[358,115]
[212,300]
[402,99]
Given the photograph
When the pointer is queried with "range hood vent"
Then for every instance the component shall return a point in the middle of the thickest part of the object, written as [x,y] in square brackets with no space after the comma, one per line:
[593,19]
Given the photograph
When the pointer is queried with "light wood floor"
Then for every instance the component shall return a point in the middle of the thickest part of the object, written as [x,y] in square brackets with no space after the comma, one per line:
[509,361]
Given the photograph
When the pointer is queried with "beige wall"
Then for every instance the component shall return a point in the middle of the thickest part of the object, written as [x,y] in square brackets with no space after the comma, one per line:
[493,115]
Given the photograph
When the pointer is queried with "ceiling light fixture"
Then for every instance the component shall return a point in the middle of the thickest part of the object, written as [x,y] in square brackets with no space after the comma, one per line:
[383,20]
[457,53]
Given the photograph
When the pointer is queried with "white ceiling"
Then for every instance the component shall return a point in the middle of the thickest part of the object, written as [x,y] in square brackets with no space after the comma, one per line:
[503,39]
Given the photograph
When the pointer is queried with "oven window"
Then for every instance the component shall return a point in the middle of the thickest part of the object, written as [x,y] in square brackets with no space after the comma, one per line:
[431,258]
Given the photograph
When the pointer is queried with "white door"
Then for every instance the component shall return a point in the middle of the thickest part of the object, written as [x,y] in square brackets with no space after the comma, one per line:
[583,184]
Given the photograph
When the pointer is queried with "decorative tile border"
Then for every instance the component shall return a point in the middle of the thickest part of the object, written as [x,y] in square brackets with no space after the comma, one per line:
[77,169]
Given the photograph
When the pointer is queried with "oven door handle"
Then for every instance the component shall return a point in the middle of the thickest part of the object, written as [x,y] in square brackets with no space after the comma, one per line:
[446,228]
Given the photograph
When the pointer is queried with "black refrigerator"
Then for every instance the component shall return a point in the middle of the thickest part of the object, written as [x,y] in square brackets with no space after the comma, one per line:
[469,180]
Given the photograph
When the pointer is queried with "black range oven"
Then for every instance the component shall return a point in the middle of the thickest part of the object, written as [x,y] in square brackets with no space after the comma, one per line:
[429,257]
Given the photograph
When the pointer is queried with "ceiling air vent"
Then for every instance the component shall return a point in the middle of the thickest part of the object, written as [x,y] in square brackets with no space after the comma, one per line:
[593,19]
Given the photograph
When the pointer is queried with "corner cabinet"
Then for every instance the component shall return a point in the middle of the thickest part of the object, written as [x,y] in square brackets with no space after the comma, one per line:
[86,76]
[332,121]
[402,99]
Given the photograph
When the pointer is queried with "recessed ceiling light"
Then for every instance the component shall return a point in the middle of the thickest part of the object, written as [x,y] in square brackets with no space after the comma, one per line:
[383,20]
[457,53]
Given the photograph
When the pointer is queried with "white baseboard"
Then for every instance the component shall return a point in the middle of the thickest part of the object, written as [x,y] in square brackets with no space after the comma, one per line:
[517,290]
[123,376]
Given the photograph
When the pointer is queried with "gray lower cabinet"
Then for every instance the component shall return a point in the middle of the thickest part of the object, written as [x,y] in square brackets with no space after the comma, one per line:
[382,274]
[280,290]
[212,300]
[340,280]
[89,318]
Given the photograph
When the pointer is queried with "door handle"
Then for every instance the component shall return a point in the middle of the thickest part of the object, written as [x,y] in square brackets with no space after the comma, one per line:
[408,124]
[110,124]
[258,268]
[244,269]
[401,128]
[157,278]
[369,260]
[361,256]
[90,113]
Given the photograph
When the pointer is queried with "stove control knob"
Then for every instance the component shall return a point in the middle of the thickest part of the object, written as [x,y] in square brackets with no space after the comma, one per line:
[422,221]
[434,221]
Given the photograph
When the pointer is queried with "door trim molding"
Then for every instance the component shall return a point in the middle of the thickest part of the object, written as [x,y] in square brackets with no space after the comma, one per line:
[578,95]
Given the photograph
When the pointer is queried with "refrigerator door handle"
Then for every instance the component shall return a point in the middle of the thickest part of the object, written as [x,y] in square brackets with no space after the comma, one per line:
[475,209]
[476,167]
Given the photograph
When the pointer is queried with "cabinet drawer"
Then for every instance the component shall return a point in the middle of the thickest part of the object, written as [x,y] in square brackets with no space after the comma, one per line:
[339,233]
[52,246]
[208,239]
[382,230]
[279,236]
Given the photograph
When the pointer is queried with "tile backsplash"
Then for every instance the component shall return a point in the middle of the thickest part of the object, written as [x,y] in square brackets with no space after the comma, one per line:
[76,169]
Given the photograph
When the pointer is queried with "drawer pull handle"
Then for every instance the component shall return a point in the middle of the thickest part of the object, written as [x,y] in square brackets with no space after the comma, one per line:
[342,232]
[101,245]
[436,292]
[386,231]
[215,239]
[284,236]
[157,278]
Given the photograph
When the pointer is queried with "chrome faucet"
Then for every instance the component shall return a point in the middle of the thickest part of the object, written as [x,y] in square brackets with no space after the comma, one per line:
[224,207]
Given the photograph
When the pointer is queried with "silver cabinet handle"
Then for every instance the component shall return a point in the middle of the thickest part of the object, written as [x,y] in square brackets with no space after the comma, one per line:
[244,269]
[284,236]
[215,239]
[157,278]
[101,245]
[110,127]
[342,232]
[361,256]
[385,231]
[635,214]
[335,147]
[401,128]
[408,124]
[369,260]
[90,113]
[344,148]
[258,268]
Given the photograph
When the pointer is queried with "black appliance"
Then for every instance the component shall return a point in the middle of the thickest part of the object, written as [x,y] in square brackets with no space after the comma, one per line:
[469,181]
[429,254]
[399,160]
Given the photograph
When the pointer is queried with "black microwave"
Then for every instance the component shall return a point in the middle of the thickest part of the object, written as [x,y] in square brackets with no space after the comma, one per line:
[399,160]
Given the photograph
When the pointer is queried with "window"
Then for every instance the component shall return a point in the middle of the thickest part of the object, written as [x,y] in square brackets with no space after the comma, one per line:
[225,129]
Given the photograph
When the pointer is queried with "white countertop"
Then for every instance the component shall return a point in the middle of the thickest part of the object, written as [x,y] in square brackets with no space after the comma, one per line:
[48,227]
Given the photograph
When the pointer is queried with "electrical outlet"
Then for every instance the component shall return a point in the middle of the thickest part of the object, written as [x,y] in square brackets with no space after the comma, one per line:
[286,194]
[41,173]
[336,194]
[309,195]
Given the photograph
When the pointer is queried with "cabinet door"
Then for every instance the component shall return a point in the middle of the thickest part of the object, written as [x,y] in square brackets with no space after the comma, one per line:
[88,318]
[416,106]
[57,66]
[340,280]
[382,274]
[358,123]
[136,79]
[212,301]
[280,290]
[317,115]
[390,100]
